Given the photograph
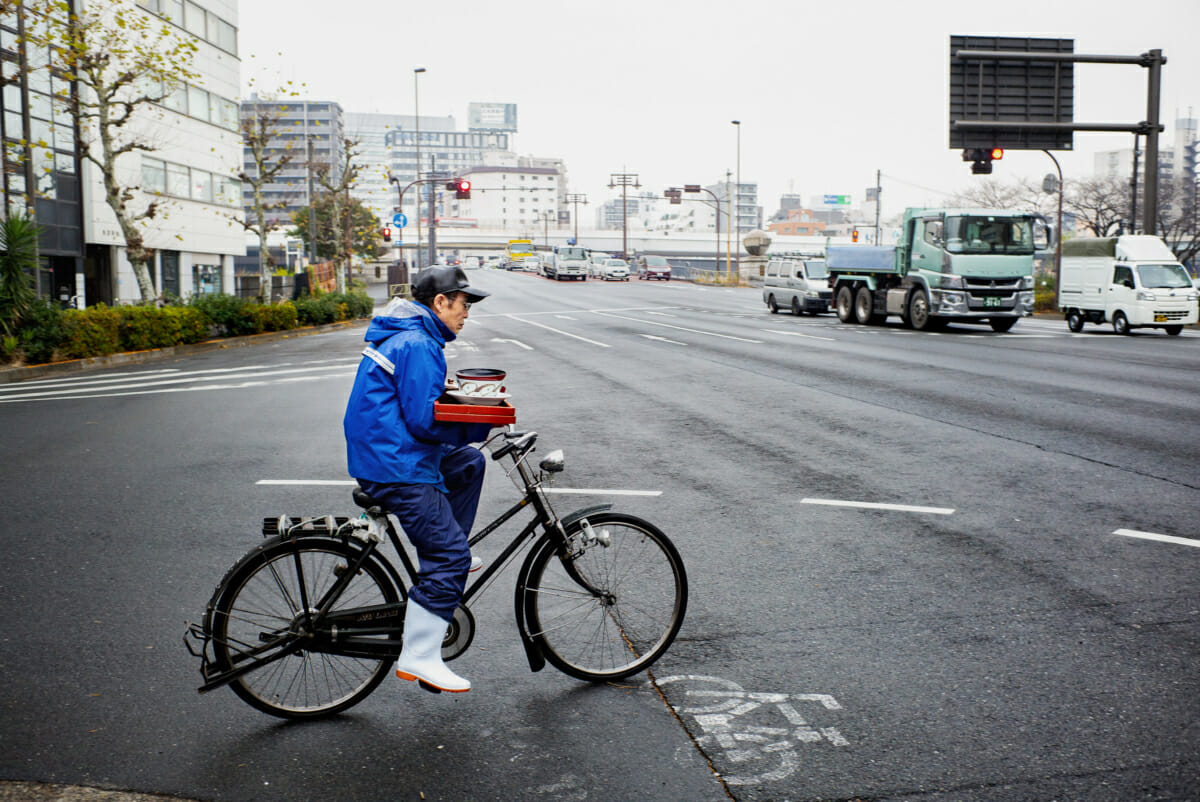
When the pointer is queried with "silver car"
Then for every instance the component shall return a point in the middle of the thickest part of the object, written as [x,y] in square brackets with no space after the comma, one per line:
[615,270]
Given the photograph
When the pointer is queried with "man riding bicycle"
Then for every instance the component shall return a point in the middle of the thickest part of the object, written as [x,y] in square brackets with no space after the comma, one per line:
[421,470]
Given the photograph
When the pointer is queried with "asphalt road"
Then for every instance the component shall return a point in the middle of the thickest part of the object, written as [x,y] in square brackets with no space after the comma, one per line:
[912,561]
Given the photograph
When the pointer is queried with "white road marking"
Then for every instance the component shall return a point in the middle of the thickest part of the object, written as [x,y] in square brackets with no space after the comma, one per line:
[870,505]
[798,334]
[558,331]
[576,491]
[565,317]
[1181,541]
[162,385]
[599,491]
[662,339]
[680,328]
[517,343]
[660,314]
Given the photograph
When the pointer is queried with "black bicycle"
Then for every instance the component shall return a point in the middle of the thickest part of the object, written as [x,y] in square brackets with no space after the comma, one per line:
[308,623]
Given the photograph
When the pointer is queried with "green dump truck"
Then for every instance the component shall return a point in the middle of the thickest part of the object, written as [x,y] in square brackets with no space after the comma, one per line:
[962,265]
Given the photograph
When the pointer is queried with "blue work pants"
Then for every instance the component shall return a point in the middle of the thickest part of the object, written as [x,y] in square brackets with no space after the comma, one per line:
[437,524]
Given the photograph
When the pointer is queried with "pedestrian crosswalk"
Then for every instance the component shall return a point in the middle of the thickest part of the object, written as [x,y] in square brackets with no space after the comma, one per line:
[178,380]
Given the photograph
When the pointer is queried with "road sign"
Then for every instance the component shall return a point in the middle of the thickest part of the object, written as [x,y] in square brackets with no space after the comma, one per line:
[399,220]
[837,200]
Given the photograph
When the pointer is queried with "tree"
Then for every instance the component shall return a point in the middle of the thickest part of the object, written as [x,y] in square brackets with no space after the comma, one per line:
[331,228]
[1101,204]
[124,61]
[337,190]
[991,193]
[260,134]
[18,261]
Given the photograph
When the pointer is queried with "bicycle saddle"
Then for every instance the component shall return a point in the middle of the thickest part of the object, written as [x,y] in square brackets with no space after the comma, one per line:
[366,502]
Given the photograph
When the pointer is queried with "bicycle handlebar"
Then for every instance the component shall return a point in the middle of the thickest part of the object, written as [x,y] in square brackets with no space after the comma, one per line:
[517,441]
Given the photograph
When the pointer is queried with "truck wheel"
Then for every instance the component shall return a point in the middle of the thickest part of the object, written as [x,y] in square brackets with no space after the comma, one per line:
[796,310]
[845,304]
[918,310]
[1003,324]
[1120,323]
[774,307]
[1173,330]
[864,307]
[1075,321]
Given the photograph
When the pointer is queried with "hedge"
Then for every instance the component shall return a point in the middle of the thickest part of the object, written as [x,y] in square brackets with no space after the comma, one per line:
[48,333]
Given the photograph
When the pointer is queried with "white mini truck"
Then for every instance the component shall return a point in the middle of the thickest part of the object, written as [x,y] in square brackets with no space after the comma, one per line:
[1132,281]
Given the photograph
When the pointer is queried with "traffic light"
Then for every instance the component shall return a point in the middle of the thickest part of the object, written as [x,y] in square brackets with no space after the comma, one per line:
[854,235]
[982,159]
[386,232]
[461,187]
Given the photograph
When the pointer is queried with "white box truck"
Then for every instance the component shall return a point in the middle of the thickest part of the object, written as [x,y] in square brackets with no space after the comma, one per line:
[1131,281]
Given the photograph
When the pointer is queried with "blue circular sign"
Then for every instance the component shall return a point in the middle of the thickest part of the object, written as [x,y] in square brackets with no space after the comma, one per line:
[399,220]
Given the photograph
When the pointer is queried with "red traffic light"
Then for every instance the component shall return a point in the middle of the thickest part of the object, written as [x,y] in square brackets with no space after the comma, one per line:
[386,233]
[996,154]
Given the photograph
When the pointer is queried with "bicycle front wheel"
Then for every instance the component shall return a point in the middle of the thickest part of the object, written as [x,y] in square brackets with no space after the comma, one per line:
[613,608]
[259,615]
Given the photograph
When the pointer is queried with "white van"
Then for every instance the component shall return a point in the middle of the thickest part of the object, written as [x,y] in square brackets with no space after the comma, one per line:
[798,284]
[1132,281]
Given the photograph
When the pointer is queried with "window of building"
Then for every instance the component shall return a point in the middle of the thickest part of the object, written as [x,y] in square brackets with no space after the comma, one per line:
[206,279]
[170,272]
[154,175]
[202,186]
[178,181]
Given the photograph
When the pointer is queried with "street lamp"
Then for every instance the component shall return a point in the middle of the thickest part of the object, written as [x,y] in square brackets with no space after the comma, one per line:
[576,199]
[717,203]
[417,117]
[738,203]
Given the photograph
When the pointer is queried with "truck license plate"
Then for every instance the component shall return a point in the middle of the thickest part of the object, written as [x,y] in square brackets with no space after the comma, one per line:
[1160,318]
[991,301]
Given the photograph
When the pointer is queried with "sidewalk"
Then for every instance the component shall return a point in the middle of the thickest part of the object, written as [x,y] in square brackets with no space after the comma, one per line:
[10,375]
[11,791]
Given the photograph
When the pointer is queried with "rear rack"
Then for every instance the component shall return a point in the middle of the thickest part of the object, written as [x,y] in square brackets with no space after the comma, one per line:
[294,524]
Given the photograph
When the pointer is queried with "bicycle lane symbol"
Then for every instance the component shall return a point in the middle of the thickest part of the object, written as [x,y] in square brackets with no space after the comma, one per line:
[722,710]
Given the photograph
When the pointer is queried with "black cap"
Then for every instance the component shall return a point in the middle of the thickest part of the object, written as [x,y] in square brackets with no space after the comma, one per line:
[444,279]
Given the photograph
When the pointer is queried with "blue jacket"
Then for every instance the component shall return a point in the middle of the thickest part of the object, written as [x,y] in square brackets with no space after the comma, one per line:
[391,435]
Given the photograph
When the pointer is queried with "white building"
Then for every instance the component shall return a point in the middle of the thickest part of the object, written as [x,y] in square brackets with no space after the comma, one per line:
[515,197]
[198,151]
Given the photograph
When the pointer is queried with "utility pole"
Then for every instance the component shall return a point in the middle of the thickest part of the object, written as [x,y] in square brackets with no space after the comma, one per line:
[576,199]
[878,190]
[738,203]
[729,219]
[1133,184]
[624,181]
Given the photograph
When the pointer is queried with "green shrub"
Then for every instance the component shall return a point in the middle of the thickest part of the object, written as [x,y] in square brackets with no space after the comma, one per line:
[277,317]
[226,314]
[94,331]
[330,307]
[41,331]
[145,327]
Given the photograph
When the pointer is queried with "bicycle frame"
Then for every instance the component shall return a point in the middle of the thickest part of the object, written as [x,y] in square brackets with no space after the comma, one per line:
[355,632]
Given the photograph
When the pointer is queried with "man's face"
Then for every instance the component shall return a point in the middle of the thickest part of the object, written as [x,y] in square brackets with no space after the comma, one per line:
[452,310]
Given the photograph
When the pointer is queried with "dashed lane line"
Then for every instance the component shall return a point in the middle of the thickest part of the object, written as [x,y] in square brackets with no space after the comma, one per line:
[1180,541]
[870,505]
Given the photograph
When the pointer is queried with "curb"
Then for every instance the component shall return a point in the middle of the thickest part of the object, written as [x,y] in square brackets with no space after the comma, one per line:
[12,375]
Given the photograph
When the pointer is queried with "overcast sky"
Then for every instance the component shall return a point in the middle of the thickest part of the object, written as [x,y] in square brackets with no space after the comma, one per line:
[827,93]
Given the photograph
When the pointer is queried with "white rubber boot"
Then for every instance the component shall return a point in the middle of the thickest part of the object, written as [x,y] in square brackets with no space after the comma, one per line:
[421,655]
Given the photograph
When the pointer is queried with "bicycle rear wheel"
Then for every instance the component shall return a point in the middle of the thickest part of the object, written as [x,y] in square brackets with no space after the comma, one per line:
[260,611]
[611,610]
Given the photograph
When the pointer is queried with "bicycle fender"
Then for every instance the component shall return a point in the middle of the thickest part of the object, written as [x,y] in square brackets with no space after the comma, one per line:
[583,513]
[532,653]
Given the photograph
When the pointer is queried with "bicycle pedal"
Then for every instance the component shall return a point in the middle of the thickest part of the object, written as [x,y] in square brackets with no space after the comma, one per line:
[428,687]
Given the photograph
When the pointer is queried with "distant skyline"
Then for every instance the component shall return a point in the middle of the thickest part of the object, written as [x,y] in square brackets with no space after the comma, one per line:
[826,93]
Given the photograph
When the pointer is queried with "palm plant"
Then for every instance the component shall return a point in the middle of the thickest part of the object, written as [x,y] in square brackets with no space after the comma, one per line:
[18,265]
